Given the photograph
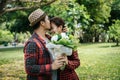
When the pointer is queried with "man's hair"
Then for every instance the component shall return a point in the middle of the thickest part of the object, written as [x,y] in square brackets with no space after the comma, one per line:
[36,26]
[58,21]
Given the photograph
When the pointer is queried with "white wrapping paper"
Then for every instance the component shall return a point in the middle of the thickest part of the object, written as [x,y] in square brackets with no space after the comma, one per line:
[57,50]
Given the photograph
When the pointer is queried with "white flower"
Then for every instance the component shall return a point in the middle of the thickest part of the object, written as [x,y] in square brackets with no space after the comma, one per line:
[54,38]
[64,36]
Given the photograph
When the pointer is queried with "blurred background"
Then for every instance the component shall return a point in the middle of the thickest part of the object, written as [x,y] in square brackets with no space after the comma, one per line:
[96,23]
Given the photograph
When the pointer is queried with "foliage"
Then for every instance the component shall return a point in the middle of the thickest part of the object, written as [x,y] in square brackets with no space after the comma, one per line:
[85,15]
[70,11]
[22,37]
[115,12]
[6,36]
[116,5]
[98,9]
[114,31]
[16,21]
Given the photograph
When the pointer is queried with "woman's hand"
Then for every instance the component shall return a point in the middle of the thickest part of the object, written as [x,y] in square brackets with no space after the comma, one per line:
[65,29]
[65,59]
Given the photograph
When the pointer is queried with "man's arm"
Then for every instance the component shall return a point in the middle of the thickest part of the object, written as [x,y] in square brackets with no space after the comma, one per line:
[31,59]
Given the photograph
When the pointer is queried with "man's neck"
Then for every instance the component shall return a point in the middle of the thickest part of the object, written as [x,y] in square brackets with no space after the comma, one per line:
[41,32]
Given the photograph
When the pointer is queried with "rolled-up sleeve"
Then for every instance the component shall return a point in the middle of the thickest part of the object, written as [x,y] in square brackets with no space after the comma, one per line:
[73,61]
[31,60]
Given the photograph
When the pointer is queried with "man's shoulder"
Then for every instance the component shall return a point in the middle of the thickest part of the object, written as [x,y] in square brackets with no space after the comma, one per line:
[30,41]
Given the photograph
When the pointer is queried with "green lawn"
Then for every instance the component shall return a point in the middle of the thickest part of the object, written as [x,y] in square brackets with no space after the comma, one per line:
[98,62]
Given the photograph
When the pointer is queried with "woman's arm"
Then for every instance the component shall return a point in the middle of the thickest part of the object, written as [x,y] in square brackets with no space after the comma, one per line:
[73,61]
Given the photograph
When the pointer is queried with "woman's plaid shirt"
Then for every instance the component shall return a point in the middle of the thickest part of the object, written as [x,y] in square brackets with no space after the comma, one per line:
[69,72]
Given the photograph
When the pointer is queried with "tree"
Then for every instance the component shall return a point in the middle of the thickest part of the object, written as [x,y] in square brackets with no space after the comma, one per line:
[115,13]
[5,36]
[116,5]
[99,11]
[114,31]
[70,11]
[15,21]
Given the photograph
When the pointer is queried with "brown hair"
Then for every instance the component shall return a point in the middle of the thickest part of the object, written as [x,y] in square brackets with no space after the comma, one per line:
[58,21]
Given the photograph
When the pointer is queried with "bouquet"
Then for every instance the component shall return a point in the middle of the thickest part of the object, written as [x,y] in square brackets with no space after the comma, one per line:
[62,44]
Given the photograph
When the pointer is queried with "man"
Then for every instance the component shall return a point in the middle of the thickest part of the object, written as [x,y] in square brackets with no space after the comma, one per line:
[38,61]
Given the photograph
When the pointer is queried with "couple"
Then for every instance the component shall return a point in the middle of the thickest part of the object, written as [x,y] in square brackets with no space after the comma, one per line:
[39,64]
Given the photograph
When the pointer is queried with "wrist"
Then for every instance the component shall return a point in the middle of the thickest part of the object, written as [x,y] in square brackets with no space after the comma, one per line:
[52,67]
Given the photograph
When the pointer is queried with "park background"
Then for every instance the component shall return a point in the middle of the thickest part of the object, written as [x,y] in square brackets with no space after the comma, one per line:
[96,23]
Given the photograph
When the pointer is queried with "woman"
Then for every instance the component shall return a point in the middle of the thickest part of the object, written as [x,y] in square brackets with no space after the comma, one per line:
[72,62]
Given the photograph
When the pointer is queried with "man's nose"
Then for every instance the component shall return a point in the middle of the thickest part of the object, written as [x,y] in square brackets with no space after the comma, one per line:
[53,31]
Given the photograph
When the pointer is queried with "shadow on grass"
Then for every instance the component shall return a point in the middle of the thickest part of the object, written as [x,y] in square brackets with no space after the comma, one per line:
[10,49]
[107,46]
[88,44]
[98,77]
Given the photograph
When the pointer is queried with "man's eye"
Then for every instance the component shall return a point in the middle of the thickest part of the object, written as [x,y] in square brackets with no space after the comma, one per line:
[48,18]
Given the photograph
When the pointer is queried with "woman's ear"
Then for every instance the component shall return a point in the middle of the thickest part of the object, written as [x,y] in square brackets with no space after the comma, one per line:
[61,27]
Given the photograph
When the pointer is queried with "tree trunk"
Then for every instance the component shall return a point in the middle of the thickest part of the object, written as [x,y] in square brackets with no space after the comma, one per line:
[2,5]
[117,42]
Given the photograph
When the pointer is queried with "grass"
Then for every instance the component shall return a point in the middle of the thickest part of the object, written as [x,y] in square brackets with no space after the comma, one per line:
[11,64]
[98,62]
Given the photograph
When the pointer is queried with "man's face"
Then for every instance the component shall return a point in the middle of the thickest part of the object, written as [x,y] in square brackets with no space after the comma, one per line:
[47,23]
[55,29]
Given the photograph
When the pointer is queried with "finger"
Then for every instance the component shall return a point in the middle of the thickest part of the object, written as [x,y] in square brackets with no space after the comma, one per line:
[62,61]
[60,57]
[61,64]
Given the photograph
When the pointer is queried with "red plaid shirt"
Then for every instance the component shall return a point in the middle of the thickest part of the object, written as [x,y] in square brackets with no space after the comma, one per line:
[37,59]
[69,72]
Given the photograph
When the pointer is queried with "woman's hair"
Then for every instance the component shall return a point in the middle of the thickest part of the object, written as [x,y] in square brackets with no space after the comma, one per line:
[36,26]
[58,21]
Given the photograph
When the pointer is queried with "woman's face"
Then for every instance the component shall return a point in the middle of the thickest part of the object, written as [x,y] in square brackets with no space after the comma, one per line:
[56,29]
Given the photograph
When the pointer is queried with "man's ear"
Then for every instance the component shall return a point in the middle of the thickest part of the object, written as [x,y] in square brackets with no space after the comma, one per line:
[41,22]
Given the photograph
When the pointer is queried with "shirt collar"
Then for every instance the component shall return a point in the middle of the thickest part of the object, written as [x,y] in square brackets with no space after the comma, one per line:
[40,38]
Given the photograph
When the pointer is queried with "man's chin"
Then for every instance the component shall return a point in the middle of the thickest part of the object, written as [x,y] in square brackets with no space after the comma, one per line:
[48,29]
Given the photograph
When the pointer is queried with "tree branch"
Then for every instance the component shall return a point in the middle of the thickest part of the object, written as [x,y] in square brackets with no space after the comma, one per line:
[25,8]
[48,3]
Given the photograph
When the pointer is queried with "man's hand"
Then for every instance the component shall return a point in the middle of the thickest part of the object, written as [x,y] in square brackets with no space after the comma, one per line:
[59,62]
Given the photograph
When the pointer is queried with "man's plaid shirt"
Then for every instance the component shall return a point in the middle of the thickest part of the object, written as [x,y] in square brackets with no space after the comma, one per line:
[38,61]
